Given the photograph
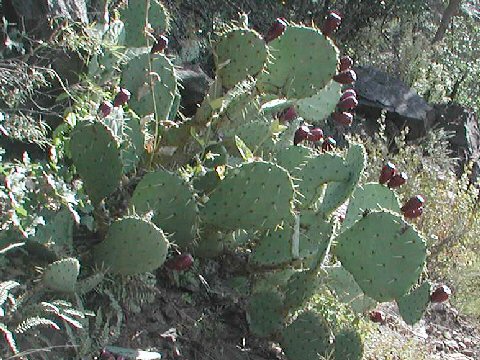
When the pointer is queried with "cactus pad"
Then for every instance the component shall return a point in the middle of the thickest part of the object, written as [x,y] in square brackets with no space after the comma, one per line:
[274,248]
[62,275]
[255,195]
[372,196]
[348,345]
[173,204]
[318,107]
[315,235]
[134,17]
[137,78]
[57,232]
[132,147]
[383,253]
[347,291]
[317,172]
[308,337]
[241,53]
[257,136]
[96,156]
[215,155]
[265,313]
[293,157]
[412,306]
[300,288]
[337,193]
[294,71]
[132,246]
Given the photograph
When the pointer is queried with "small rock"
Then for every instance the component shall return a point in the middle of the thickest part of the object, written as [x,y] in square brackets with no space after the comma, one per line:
[461,345]
[447,335]
[468,352]
[451,344]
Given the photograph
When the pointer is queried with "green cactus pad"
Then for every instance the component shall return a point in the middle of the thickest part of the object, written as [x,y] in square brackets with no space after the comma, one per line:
[308,337]
[384,254]
[300,288]
[337,193]
[62,275]
[96,155]
[240,105]
[205,184]
[132,246]
[241,53]
[293,157]
[285,139]
[274,248]
[215,155]
[255,195]
[348,345]
[173,204]
[134,17]
[57,232]
[257,135]
[265,313]
[86,285]
[136,77]
[347,291]
[304,61]
[273,280]
[412,306]
[209,245]
[318,107]
[133,144]
[372,196]
[315,235]
[316,173]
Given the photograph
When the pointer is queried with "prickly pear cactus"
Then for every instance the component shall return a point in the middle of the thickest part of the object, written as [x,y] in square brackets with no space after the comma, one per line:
[96,155]
[315,235]
[294,72]
[412,306]
[337,193]
[319,106]
[255,195]
[300,288]
[348,345]
[342,284]
[137,15]
[307,337]
[62,275]
[372,196]
[384,254]
[145,72]
[173,204]
[132,246]
[240,53]
[275,247]
[265,313]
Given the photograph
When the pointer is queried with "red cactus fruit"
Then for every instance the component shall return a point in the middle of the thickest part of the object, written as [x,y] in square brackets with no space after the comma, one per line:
[413,203]
[329,144]
[315,134]
[348,103]
[288,114]
[377,316]
[331,23]
[397,180]
[346,63]
[105,108]
[440,294]
[346,77]
[160,45]
[343,118]
[180,262]
[122,97]
[388,171]
[301,134]
[277,29]
[413,213]
[348,93]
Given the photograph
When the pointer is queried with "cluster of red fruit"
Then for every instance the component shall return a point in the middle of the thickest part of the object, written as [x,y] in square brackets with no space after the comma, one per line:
[121,99]
[439,295]
[413,208]
[315,134]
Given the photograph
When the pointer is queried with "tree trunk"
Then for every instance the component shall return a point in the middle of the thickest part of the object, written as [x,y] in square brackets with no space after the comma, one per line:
[451,10]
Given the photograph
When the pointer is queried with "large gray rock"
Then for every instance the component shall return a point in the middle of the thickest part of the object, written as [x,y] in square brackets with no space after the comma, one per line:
[379,91]
[194,85]
[40,9]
